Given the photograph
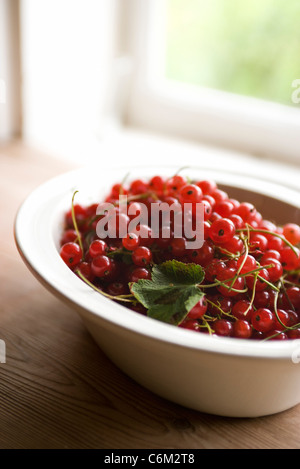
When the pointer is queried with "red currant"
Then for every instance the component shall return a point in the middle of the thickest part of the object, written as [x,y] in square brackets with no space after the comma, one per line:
[131,241]
[222,230]
[190,193]
[242,329]
[242,309]
[263,320]
[98,248]
[71,254]
[142,256]
[222,327]
[140,273]
[101,266]
[292,233]
[198,310]
[207,187]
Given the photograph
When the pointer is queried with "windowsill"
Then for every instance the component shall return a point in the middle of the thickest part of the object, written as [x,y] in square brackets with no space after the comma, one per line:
[118,147]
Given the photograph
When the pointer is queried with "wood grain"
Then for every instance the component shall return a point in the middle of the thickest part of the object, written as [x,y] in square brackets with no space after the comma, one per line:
[59,390]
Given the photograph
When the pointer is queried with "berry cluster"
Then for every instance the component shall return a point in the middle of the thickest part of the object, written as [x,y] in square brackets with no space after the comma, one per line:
[252,266]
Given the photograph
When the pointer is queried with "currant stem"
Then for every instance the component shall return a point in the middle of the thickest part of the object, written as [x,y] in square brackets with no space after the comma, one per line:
[124,298]
[257,230]
[253,295]
[75,225]
[219,308]
[244,260]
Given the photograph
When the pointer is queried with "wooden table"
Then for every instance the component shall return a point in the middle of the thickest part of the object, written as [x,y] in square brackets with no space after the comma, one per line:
[59,390]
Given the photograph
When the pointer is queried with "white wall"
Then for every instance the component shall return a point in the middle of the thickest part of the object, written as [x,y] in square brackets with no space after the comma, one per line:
[68,48]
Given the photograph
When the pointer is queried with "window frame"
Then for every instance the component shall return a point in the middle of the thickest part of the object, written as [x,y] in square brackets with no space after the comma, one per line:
[10,65]
[261,128]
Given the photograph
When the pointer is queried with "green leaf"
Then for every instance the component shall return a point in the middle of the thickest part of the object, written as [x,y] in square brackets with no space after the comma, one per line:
[172,291]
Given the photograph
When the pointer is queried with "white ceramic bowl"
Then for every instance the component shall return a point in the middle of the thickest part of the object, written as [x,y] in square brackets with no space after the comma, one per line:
[223,376]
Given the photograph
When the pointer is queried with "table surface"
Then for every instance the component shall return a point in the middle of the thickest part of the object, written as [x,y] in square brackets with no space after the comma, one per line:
[59,390]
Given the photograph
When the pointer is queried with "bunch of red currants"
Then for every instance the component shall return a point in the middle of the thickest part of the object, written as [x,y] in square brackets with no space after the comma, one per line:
[251,287]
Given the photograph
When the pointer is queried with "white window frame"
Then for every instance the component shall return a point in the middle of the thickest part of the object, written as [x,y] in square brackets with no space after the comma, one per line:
[260,128]
[10,75]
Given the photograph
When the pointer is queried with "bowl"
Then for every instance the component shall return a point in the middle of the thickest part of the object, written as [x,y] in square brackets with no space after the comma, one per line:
[222,376]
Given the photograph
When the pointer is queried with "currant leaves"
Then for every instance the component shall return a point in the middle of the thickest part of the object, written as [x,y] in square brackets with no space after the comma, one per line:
[172,291]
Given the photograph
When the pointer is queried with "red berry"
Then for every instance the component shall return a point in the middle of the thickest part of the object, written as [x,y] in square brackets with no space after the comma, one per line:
[246,211]
[101,266]
[198,310]
[242,329]
[138,187]
[190,324]
[117,190]
[190,193]
[213,269]
[237,220]
[248,263]
[276,271]
[291,231]
[242,309]
[235,245]
[222,327]
[71,254]
[157,184]
[207,209]
[274,243]
[293,294]
[209,199]
[207,187]
[140,273]
[290,260]
[117,288]
[86,270]
[258,243]
[275,335]
[69,236]
[174,184]
[228,287]
[80,216]
[284,318]
[219,195]
[131,241]
[263,320]
[142,256]
[178,247]
[294,334]
[224,208]
[202,256]
[260,283]
[98,248]
[222,230]
[270,254]
[262,299]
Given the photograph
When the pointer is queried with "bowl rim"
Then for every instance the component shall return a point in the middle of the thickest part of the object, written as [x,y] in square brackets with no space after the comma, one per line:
[32,225]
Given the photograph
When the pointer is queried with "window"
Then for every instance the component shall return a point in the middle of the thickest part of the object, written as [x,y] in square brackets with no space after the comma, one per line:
[225,72]
[249,48]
